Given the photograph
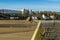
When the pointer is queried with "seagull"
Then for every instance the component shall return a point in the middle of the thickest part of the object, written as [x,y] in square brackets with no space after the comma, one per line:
[45,16]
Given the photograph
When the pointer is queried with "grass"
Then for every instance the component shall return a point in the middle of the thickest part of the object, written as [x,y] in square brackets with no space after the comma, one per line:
[16,33]
[13,30]
[16,29]
[16,23]
[39,34]
[13,21]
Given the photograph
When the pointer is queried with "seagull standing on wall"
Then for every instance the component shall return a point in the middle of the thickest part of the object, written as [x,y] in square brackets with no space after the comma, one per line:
[45,16]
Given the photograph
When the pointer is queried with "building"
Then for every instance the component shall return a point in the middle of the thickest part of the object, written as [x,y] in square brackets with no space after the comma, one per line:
[30,11]
[14,18]
[22,11]
[26,11]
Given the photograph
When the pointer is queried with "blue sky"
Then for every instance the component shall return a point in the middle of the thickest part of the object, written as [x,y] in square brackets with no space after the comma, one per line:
[35,5]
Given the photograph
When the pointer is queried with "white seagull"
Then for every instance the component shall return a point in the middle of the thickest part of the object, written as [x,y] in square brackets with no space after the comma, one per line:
[45,16]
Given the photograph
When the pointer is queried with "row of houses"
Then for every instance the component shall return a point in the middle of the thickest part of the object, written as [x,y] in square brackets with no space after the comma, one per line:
[4,17]
[23,11]
[32,17]
[3,13]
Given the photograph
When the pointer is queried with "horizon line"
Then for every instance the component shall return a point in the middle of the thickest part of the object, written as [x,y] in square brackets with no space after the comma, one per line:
[27,9]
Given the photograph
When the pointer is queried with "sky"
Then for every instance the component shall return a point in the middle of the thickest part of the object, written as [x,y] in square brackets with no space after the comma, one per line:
[35,5]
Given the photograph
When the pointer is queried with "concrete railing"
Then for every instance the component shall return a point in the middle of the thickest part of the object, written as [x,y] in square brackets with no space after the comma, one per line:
[47,30]
[34,35]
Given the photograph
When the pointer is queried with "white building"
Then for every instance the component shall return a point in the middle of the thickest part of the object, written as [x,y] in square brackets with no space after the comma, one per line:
[12,18]
[26,11]
[22,11]
[30,11]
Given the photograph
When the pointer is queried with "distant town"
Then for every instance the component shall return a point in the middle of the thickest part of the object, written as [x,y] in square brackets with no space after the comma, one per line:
[23,14]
